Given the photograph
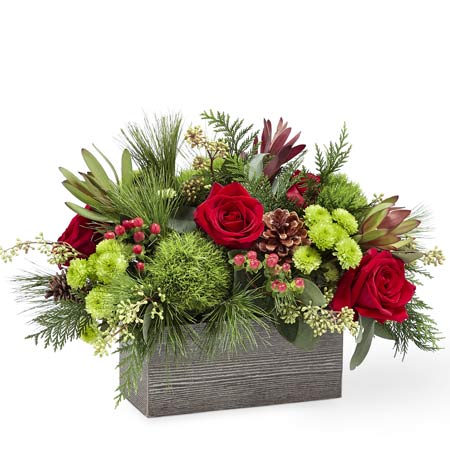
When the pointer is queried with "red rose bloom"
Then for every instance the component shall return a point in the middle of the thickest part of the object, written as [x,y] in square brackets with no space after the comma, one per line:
[377,288]
[231,216]
[295,192]
[80,236]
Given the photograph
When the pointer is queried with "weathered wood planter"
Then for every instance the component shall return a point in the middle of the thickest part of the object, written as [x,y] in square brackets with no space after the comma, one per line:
[271,374]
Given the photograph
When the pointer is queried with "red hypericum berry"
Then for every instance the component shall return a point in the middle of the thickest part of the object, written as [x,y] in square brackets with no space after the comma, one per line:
[274,256]
[271,262]
[286,267]
[138,222]
[137,249]
[282,287]
[140,266]
[139,236]
[119,229]
[252,254]
[254,264]
[109,235]
[155,228]
[128,224]
[274,285]
[299,283]
[239,260]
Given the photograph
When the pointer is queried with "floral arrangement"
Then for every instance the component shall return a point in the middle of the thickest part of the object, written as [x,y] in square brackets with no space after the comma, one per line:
[231,231]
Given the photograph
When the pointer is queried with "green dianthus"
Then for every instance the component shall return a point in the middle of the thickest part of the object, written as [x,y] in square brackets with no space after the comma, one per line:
[323,235]
[348,253]
[191,271]
[100,303]
[345,220]
[77,273]
[306,259]
[316,214]
[339,192]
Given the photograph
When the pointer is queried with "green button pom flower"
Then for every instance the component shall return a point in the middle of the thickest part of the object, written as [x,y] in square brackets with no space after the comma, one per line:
[345,220]
[306,259]
[77,273]
[316,214]
[348,253]
[100,303]
[323,235]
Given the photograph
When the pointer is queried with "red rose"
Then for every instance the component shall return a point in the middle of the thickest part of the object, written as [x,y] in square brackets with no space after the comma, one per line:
[377,288]
[231,216]
[295,192]
[80,236]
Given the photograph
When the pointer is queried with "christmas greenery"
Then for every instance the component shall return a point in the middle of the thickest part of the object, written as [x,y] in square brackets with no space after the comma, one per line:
[205,256]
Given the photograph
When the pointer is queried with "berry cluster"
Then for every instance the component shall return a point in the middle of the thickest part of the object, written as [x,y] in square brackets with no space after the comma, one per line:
[279,277]
[134,229]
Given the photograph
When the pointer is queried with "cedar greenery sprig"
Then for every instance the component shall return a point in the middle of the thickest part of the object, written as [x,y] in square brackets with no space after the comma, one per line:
[238,137]
[419,328]
[60,323]
[334,157]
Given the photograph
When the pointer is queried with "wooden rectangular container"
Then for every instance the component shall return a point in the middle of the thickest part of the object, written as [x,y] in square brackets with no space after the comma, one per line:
[270,374]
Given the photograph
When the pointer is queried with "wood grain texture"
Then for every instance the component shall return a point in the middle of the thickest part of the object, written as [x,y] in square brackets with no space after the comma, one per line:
[270,374]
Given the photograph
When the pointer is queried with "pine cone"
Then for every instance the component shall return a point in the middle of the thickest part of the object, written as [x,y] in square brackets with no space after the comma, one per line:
[284,231]
[58,289]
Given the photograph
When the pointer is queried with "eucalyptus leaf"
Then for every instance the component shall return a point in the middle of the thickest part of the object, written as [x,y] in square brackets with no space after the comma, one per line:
[288,330]
[305,339]
[382,332]
[312,294]
[183,221]
[256,166]
[363,347]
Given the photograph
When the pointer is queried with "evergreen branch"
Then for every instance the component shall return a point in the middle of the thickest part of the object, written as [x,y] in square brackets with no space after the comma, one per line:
[147,197]
[62,322]
[419,329]
[335,156]
[230,325]
[155,147]
[238,137]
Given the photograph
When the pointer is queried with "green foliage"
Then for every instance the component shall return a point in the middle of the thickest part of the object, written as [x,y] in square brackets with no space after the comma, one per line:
[60,323]
[238,137]
[155,147]
[334,157]
[364,341]
[261,189]
[234,168]
[191,271]
[145,198]
[94,186]
[419,329]
[339,192]
[230,326]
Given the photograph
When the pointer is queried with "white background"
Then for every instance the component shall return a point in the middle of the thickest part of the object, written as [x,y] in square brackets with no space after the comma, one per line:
[73,73]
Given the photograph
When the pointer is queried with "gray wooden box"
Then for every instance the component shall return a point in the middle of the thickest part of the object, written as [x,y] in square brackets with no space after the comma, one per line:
[275,373]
